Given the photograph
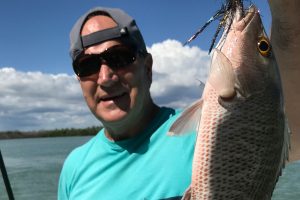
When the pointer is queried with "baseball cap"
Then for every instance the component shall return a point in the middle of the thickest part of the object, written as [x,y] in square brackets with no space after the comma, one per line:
[126,30]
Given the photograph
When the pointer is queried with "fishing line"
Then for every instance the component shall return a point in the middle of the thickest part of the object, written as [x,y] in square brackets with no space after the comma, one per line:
[5,178]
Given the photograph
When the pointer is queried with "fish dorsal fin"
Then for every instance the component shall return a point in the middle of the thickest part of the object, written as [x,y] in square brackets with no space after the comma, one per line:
[222,76]
[188,121]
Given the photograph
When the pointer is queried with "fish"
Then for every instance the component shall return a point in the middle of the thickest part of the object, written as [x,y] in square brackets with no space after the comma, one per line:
[242,132]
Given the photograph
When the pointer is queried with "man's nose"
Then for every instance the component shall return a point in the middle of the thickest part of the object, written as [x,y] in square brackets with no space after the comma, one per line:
[107,76]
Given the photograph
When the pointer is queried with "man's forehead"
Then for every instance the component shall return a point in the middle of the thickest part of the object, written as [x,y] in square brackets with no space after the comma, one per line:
[97,23]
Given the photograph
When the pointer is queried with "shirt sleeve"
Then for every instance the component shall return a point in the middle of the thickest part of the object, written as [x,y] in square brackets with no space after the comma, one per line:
[67,176]
[63,185]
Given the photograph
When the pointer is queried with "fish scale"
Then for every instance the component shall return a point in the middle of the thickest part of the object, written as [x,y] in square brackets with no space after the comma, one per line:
[226,161]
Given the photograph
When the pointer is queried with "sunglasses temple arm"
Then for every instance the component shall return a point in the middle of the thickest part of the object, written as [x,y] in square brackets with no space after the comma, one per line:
[5,178]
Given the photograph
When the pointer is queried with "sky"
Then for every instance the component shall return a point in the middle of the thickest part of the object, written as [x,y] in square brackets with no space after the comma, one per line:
[38,90]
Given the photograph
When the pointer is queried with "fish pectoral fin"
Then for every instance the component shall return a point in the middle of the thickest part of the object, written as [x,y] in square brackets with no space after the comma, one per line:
[187,194]
[222,77]
[188,121]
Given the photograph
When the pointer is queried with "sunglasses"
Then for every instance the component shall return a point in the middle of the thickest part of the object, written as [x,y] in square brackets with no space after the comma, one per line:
[116,57]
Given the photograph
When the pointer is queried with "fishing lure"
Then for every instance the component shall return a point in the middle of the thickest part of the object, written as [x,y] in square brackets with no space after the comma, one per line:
[225,16]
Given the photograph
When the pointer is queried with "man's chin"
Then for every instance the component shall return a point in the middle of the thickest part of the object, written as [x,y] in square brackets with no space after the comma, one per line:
[116,115]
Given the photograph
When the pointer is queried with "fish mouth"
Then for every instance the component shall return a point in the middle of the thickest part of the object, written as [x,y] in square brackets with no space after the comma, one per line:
[242,23]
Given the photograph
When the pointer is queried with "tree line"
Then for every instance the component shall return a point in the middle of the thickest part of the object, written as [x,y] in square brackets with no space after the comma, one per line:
[89,131]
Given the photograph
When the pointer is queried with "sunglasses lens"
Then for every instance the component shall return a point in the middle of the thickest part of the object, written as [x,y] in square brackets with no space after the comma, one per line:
[87,66]
[119,57]
[115,57]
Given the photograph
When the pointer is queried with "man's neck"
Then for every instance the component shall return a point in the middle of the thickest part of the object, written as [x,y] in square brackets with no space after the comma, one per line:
[129,128]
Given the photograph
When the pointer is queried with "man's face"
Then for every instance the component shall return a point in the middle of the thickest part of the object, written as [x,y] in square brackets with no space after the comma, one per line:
[115,95]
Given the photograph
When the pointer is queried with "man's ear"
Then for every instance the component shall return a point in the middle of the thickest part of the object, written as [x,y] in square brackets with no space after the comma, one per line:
[148,65]
[78,79]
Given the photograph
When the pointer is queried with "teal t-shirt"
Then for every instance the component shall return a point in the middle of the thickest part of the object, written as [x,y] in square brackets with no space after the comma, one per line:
[149,166]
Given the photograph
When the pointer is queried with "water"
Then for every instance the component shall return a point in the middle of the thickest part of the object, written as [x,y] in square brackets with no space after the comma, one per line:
[34,165]
[288,186]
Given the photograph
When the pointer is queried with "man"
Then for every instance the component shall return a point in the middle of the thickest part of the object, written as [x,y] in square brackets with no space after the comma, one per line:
[132,157]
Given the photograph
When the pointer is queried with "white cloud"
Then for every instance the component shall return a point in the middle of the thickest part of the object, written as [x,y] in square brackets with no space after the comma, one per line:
[177,72]
[35,100]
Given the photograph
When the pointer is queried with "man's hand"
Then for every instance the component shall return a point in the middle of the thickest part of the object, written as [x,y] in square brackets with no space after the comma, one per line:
[285,33]
[285,40]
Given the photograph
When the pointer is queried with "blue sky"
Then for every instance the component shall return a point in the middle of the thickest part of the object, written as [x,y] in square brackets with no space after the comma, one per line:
[38,89]
[35,33]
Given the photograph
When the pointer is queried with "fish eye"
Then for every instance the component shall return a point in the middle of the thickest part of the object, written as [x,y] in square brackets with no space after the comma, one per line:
[264,46]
